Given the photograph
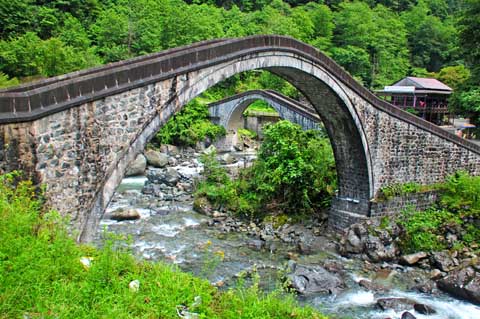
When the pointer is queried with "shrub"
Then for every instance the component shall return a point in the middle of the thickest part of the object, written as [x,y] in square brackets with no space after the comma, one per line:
[293,174]
[295,168]
[424,231]
[461,194]
[189,126]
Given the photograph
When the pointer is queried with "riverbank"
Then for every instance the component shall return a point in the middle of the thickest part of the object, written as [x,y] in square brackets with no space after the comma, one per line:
[45,274]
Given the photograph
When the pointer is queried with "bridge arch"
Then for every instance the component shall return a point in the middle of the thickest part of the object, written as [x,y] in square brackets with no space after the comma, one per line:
[329,98]
[76,133]
[229,112]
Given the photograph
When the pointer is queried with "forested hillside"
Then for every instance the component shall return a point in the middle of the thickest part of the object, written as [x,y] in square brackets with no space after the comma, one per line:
[377,41]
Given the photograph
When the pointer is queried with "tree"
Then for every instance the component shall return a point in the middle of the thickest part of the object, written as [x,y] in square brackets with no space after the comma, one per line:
[454,76]
[431,40]
[470,37]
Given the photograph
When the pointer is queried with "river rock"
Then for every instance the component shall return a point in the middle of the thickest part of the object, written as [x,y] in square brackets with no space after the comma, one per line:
[210,150]
[397,304]
[137,167]
[443,261]
[171,176]
[436,274]
[377,251]
[408,315]
[169,149]
[412,259]
[125,214]
[203,206]
[314,279]
[424,309]
[227,158]
[462,283]
[256,244]
[353,241]
[156,159]
[372,286]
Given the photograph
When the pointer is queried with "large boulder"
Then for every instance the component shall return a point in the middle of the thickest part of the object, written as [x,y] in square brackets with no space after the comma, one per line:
[156,159]
[353,242]
[137,167]
[397,304]
[314,279]
[378,251]
[125,214]
[171,176]
[462,283]
[412,259]
[169,149]
[443,260]
[408,315]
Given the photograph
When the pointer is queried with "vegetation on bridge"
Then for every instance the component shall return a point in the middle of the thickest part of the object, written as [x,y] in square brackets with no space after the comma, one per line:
[42,277]
[294,174]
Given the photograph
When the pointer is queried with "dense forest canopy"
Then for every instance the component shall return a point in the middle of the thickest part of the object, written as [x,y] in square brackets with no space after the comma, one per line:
[377,41]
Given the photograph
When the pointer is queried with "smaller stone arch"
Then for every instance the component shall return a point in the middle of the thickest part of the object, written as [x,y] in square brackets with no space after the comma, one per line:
[229,111]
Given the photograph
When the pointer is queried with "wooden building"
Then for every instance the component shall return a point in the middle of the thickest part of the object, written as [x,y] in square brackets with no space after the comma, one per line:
[425,97]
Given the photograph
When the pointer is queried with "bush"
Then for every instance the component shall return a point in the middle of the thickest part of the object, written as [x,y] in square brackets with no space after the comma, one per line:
[188,127]
[294,174]
[458,209]
[461,194]
[295,168]
[424,231]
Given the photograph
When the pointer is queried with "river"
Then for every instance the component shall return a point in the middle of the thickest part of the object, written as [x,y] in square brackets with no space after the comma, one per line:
[170,231]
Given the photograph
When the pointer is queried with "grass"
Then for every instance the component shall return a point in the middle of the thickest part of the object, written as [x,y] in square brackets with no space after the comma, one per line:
[41,274]
[259,106]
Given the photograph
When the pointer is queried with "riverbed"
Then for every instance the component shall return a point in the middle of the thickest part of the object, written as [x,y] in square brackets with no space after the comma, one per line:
[170,231]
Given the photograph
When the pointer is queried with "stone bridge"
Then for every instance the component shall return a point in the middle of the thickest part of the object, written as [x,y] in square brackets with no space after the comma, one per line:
[76,133]
[229,111]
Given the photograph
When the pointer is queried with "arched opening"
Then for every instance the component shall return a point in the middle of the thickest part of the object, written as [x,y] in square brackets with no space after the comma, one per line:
[326,94]
[238,118]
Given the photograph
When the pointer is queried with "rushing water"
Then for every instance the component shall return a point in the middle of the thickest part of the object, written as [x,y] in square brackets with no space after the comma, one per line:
[171,231]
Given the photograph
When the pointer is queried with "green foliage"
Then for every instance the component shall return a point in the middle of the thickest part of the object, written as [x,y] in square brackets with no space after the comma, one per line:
[458,208]
[454,76]
[295,168]
[243,132]
[394,190]
[294,174]
[423,231]
[189,126]
[461,194]
[42,275]
[259,106]
[470,37]
[467,102]
[376,41]
[5,81]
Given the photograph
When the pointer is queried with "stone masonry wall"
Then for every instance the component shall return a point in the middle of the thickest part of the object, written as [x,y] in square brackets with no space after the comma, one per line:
[395,205]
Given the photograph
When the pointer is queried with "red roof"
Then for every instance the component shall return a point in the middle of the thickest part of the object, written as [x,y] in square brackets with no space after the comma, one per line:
[423,83]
